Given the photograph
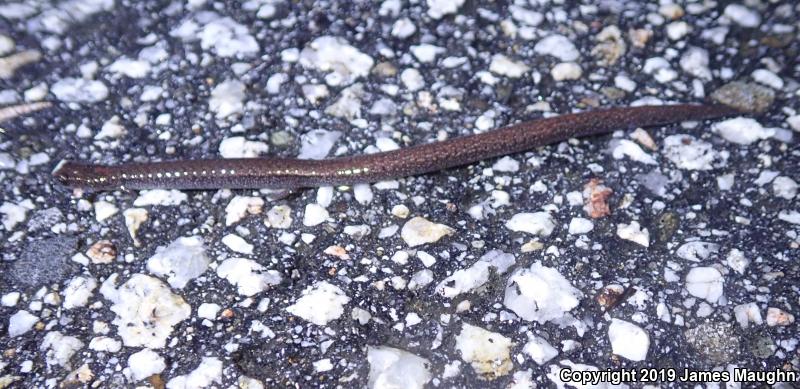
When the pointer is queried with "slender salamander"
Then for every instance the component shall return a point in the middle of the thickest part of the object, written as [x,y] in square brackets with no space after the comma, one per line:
[288,173]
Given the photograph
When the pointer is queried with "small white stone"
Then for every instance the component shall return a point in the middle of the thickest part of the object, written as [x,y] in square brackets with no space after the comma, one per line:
[59,348]
[79,90]
[418,231]
[747,313]
[20,323]
[10,299]
[403,28]
[536,223]
[539,350]
[132,68]
[789,216]
[208,311]
[466,280]
[695,62]
[628,340]
[633,151]
[489,353]
[579,225]
[227,98]
[104,210]
[697,250]
[279,216]
[412,79]
[314,215]
[145,363]
[792,121]
[566,71]
[689,153]
[678,30]
[743,131]
[249,276]
[322,365]
[395,368]
[439,8]
[742,15]
[540,294]
[705,283]
[134,303]
[505,66]
[78,291]
[625,83]
[737,261]
[160,197]
[335,55]
[784,187]
[208,372]
[768,78]
[111,129]
[426,53]
[525,16]
[241,206]
[237,244]
[634,233]
[778,317]
[181,261]
[320,303]
[557,46]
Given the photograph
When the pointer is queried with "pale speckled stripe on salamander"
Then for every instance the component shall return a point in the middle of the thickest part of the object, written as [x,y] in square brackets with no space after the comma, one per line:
[288,173]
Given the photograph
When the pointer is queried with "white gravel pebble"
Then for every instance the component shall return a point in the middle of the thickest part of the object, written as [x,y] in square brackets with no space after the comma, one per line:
[689,153]
[59,348]
[743,131]
[566,71]
[240,147]
[412,79]
[79,90]
[159,197]
[489,353]
[737,261]
[237,244]
[78,291]
[343,62]
[208,372]
[634,233]
[418,231]
[227,98]
[465,280]
[180,262]
[314,215]
[403,28]
[705,283]
[104,210]
[633,151]
[628,340]
[395,368]
[505,66]
[789,216]
[557,46]
[540,294]
[535,223]
[768,78]
[241,206]
[579,225]
[695,62]
[439,8]
[426,53]
[778,317]
[320,303]
[697,251]
[249,276]
[539,350]
[784,187]
[747,313]
[135,301]
[145,363]
[742,15]
[20,323]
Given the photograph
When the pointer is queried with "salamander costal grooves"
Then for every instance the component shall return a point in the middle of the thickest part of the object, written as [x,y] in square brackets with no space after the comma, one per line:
[289,173]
